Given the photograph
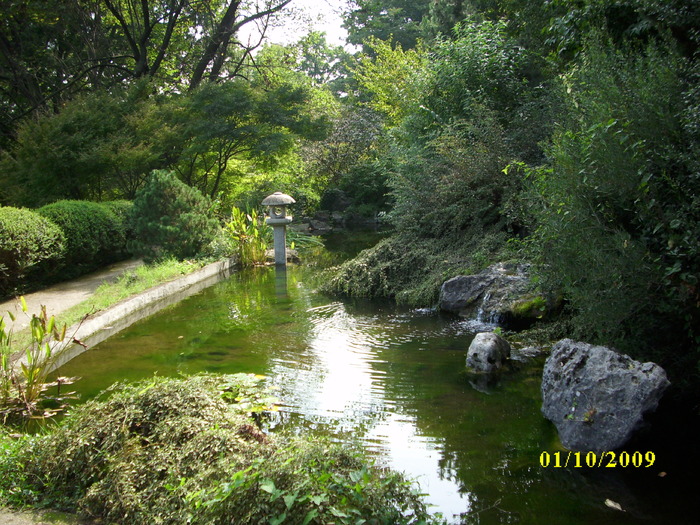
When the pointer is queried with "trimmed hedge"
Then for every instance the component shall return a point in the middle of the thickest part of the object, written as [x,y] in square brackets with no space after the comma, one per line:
[29,245]
[94,234]
[123,209]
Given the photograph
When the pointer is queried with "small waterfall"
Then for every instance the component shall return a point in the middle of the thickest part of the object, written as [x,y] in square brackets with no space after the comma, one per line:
[484,320]
[481,312]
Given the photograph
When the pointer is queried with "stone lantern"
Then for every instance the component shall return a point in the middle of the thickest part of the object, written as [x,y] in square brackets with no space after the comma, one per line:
[279,218]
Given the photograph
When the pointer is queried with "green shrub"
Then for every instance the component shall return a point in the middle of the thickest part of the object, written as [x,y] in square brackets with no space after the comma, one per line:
[29,243]
[187,451]
[15,489]
[365,185]
[94,235]
[170,219]
[619,212]
[123,210]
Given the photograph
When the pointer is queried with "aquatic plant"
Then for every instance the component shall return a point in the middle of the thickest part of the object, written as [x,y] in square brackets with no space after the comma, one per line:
[23,383]
[250,236]
[303,241]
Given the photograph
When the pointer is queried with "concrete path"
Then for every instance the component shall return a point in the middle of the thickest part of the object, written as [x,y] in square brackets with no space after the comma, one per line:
[62,296]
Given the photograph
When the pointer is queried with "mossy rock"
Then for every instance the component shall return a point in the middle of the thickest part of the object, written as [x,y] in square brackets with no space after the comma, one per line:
[530,307]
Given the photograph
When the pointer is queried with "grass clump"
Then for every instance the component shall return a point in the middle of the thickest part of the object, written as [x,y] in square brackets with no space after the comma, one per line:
[129,283]
[187,451]
[411,270]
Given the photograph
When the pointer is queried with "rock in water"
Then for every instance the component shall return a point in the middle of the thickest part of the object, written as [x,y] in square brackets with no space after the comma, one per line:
[502,293]
[488,352]
[460,294]
[596,397]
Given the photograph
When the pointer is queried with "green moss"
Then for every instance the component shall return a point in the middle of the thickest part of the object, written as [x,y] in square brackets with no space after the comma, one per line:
[530,307]
[411,270]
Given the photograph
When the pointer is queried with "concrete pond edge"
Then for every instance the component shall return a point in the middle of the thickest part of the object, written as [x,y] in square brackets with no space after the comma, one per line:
[105,323]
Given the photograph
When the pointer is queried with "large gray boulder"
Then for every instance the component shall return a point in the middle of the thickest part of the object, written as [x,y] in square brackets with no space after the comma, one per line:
[487,352]
[502,293]
[596,397]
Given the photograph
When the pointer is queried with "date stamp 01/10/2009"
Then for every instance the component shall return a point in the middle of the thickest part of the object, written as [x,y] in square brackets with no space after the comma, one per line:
[606,459]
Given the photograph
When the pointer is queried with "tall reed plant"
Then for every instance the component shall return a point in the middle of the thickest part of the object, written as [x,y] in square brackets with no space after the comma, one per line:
[250,236]
[23,382]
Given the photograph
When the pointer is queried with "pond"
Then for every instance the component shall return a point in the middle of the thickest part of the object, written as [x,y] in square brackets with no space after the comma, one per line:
[393,380]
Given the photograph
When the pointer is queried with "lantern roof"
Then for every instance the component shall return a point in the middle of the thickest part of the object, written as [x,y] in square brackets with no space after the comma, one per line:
[278,198]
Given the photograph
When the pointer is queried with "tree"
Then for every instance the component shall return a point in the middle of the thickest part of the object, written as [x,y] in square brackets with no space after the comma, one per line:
[46,57]
[355,138]
[390,75]
[442,16]
[51,51]
[220,122]
[570,23]
[321,62]
[153,33]
[397,20]
[170,219]
[100,146]
[310,62]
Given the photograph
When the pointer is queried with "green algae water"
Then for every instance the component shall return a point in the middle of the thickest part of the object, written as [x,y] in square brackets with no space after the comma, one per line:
[392,380]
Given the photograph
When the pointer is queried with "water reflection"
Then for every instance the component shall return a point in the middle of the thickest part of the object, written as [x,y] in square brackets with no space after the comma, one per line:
[391,379]
[397,440]
[281,282]
[337,384]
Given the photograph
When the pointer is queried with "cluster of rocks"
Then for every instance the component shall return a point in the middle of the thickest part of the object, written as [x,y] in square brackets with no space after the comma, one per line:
[503,293]
[596,397]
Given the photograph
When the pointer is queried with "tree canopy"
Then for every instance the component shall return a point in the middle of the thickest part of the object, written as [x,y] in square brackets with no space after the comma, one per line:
[51,51]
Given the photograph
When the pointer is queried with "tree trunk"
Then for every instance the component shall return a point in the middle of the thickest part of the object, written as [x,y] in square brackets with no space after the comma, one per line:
[223,31]
[215,51]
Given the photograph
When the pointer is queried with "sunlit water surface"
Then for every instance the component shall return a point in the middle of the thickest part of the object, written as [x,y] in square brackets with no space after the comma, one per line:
[394,381]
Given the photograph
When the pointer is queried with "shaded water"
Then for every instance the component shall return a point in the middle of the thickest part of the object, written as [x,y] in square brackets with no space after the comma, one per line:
[393,380]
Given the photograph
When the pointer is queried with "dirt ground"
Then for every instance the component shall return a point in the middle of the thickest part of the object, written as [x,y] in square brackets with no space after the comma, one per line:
[62,296]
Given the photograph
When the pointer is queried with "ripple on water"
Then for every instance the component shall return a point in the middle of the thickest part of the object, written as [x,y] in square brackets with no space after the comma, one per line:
[389,379]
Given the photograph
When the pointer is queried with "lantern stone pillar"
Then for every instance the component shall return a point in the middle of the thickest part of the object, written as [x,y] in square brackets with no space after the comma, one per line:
[279,218]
